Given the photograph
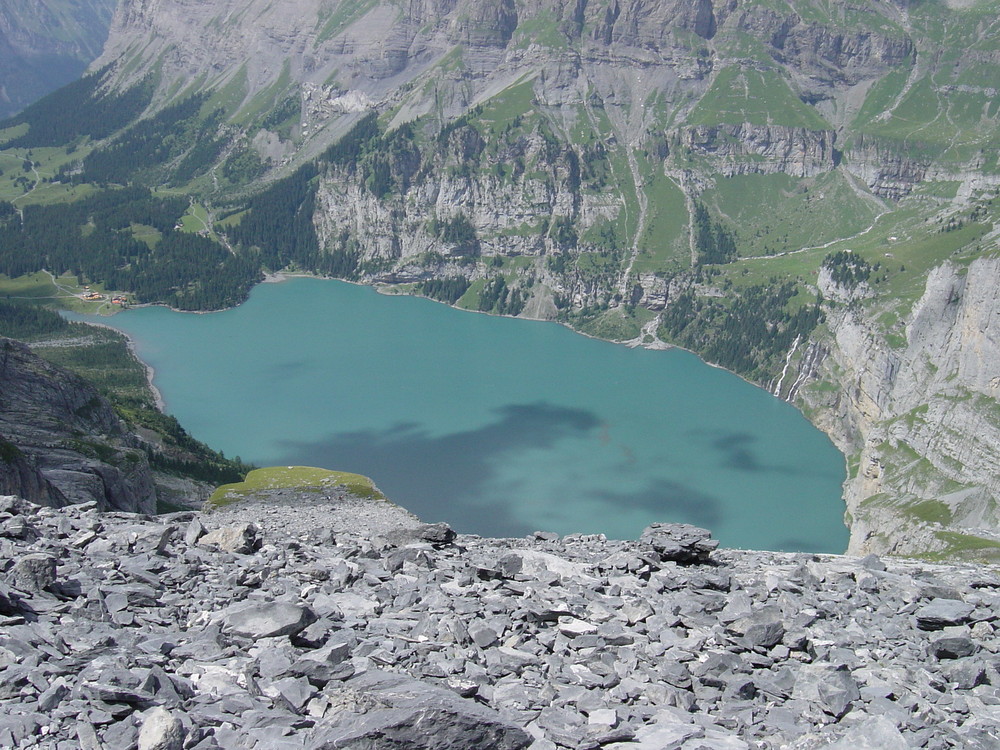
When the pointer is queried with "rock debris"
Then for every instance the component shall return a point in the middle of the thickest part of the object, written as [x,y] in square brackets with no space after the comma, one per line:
[275,623]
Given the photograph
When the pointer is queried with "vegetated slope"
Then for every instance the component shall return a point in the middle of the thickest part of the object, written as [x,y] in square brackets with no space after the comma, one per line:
[45,44]
[770,185]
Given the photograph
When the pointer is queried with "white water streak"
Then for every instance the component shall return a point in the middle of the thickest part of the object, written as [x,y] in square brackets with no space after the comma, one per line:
[784,370]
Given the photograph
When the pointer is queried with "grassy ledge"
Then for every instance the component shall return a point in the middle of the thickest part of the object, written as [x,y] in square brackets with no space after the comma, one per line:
[293,477]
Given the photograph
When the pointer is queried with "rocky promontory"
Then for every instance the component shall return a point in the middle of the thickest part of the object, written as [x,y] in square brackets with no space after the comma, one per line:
[62,442]
[301,619]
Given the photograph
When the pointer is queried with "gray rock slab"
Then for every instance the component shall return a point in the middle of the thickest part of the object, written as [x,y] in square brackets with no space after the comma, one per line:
[34,573]
[952,647]
[873,733]
[389,710]
[940,613]
[666,731]
[268,620]
[241,538]
[680,542]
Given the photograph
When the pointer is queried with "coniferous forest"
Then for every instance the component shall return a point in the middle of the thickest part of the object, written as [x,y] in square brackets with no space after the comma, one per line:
[94,239]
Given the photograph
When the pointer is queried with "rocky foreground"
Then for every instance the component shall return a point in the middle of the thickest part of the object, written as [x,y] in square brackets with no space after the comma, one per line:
[305,621]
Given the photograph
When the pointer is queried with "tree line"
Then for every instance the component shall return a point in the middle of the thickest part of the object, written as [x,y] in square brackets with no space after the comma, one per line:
[748,333]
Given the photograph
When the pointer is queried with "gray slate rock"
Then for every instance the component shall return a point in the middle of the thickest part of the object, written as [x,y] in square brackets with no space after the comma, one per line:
[194,531]
[392,711]
[874,733]
[952,647]
[762,629]
[940,613]
[580,642]
[680,542]
[331,662]
[34,573]
[268,620]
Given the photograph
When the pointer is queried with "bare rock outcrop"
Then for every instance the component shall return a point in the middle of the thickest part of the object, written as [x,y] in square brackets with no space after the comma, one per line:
[762,149]
[921,414]
[62,442]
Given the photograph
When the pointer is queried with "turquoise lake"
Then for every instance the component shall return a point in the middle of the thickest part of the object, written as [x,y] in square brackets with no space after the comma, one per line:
[496,426]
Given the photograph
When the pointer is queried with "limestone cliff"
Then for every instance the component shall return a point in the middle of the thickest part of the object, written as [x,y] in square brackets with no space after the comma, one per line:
[918,416]
[335,59]
[761,149]
[60,442]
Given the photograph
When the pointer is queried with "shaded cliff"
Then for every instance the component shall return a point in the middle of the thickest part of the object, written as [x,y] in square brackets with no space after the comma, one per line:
[62,442]
[45,44]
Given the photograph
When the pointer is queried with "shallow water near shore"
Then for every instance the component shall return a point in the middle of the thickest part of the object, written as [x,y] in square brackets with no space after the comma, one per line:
[497,426]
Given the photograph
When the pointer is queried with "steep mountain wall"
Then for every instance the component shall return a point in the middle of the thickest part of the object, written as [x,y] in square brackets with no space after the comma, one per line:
[920,416]
[62,443]
[45,44]
[439,58]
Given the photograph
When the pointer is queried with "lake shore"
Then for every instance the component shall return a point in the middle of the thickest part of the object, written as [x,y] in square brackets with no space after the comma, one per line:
[530,409]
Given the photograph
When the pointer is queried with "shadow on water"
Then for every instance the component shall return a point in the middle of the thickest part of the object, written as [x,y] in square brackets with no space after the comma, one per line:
[440,477]
[668,501]
[280,374]
[736,452]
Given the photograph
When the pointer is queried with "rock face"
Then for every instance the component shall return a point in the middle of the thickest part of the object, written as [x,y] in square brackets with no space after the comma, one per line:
[920,414]
[61,442]
[123,631]
[45,44]
[345,58]
[762,149]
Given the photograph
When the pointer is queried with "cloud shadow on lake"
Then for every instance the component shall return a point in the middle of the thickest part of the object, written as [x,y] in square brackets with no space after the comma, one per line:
[439,477]
[737,451]
[669,501]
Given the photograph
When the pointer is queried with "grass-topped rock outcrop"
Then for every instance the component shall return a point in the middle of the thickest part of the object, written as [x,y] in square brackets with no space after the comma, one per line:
[280,480]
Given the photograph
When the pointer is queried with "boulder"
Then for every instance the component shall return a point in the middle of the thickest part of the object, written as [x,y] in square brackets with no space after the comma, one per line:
[33,573]
[268,620]
[384,711]
[241,539]
[874,733]
[952,647]
[161,730]
[435,534]
[941,613]
[680,542]
[762,629]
